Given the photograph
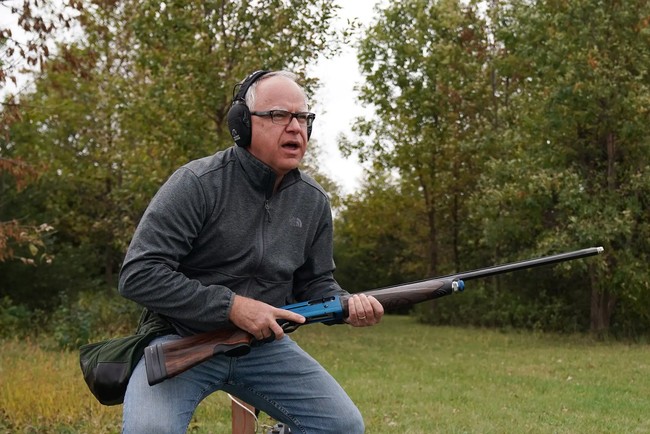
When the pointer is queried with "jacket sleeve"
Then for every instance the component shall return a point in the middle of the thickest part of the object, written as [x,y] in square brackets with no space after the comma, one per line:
[164,236]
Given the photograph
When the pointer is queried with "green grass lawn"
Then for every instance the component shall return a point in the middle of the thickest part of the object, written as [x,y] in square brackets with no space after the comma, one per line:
[404,376]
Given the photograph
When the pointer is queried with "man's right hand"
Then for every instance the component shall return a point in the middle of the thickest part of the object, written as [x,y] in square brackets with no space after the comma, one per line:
[260,319]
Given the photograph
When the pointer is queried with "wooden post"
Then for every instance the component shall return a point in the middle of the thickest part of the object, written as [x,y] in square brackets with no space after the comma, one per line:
[243,422]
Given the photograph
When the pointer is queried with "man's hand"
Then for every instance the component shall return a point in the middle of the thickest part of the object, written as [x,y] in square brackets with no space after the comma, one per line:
[260,319]
[364,311]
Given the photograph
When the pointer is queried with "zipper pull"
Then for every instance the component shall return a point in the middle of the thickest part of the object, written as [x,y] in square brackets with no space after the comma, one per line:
[267,207]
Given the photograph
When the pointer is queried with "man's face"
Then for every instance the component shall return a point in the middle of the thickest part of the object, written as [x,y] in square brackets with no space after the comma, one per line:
[281,147]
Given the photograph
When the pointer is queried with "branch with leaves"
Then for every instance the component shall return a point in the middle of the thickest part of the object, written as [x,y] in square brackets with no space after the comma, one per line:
[13,235]
[36,21]
[25,242]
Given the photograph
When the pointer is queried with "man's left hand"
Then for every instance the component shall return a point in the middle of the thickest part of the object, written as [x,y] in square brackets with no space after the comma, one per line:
[364,311]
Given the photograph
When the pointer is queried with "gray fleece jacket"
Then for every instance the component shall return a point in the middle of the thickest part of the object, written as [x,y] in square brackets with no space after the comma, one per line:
[216,229]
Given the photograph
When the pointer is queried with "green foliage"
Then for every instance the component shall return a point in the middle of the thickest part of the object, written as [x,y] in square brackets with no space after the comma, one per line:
[520,135]
[374,244]
[507,309]
[39,287]
[71,327]
[90,317]
[77,319]
[572,174]
[15,319]
[424,65]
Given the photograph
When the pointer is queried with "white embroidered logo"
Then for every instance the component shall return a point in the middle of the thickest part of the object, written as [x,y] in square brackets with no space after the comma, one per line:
[295,222]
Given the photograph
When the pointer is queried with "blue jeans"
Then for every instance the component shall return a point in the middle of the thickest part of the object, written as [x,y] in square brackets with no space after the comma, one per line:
[278,378]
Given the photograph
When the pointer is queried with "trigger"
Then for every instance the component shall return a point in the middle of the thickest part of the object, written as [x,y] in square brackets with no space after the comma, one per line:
[289,326]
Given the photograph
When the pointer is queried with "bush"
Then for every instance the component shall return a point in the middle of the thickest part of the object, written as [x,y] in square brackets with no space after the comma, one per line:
[16,320]
[92,316]
[70,325]
[505,309]
[87,316]
[112,314]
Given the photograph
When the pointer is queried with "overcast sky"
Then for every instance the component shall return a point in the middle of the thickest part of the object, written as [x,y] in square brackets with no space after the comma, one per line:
[336,103]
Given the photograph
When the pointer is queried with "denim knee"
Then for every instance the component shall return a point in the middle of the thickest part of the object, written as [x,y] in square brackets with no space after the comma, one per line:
[352,424]
[158,425]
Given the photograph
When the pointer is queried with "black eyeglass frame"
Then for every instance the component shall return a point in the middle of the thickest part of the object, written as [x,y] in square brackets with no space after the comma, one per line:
[300,116]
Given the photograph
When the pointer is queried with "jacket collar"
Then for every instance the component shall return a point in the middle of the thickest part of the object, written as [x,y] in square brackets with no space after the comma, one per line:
[260,175]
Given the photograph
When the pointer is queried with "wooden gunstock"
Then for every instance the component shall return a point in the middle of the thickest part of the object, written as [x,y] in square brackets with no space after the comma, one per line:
[167,359]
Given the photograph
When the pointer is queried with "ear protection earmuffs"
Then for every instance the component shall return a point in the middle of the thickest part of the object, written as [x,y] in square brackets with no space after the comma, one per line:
[239,115]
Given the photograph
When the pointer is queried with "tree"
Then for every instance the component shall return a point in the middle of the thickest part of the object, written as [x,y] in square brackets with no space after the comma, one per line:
[424,64]
[123,106]
[26,41]
[518,132]
[582,150]
[15,234]
[378,237]
[36,23]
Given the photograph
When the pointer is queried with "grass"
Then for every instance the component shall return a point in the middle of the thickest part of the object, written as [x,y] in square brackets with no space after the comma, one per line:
[404,376]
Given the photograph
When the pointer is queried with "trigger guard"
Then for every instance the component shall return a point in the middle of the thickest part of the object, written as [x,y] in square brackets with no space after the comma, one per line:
[289,326]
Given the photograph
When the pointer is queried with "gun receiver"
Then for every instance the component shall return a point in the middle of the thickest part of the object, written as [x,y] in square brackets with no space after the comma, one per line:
[165,360]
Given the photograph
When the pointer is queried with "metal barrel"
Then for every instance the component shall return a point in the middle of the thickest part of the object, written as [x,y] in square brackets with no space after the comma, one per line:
[529,263]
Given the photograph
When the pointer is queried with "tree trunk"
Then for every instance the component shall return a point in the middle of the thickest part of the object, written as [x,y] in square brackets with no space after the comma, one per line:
[603,301]
[602,308]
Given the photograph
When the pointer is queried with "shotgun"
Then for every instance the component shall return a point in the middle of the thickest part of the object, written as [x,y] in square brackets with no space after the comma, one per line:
[165,360]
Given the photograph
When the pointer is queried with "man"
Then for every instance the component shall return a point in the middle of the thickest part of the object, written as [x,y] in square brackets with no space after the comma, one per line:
[229,239]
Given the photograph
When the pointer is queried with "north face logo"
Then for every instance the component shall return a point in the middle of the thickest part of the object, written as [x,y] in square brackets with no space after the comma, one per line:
[295,222]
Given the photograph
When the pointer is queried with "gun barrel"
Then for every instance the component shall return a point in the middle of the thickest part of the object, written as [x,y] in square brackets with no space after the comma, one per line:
[530,263]
[416,292]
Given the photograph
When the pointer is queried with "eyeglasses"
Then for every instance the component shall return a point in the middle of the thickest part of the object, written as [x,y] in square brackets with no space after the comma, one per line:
[283,117]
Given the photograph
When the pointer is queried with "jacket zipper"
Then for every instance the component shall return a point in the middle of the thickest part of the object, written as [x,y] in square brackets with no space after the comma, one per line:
[267,207]
[261,249]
